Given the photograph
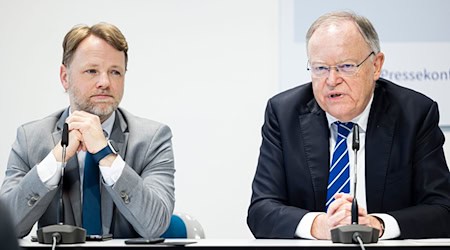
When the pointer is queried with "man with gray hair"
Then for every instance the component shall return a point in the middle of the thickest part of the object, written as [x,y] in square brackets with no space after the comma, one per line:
[302,186]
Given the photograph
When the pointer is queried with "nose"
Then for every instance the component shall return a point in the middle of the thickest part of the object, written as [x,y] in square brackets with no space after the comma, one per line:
[333,78]
[103,80]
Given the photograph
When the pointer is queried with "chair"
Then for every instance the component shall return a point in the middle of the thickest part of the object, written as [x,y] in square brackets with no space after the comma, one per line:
[184,226]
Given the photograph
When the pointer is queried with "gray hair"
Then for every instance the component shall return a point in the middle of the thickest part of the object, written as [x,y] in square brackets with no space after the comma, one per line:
[363,24]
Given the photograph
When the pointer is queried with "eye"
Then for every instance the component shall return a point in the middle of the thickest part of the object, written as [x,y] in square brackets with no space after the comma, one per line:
[346,67]
[116,73]
[320,68]
[91,71]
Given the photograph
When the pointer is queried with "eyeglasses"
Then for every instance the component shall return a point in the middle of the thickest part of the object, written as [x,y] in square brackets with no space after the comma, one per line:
[345,69]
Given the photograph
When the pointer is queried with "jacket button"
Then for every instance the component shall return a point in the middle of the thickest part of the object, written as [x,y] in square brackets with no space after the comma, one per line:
[125,197]
[33,200]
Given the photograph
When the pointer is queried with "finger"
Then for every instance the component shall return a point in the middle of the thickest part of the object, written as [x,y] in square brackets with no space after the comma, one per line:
[84,124]
[364,220]
[80,113]
[339,204]
[362,211]
[344,196]
[80,119]
[334,206]
[341,217]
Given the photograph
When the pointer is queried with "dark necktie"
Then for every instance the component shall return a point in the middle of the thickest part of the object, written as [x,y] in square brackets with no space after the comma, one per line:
[91,197]
[339,178]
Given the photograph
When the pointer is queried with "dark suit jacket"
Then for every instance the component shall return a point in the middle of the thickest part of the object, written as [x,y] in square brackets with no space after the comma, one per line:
[406,172]
[8,238]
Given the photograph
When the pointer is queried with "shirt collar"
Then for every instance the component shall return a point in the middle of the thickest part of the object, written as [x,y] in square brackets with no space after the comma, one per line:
[108,124]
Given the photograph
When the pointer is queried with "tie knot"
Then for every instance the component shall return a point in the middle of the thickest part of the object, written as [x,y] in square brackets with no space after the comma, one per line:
[344,128]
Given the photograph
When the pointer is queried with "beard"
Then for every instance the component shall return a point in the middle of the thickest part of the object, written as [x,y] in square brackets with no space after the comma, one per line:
[101,109]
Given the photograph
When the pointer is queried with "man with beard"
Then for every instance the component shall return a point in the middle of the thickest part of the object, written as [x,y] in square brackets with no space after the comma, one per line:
[119,177]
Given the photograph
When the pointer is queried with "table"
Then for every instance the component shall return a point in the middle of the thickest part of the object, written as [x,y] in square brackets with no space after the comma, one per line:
[249,244]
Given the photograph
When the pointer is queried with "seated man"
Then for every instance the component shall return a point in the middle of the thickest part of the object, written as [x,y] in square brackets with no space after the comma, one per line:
[119,177]
[302,183]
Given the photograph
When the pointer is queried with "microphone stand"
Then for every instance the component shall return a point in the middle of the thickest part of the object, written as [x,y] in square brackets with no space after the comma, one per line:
[61,233]
[355,233]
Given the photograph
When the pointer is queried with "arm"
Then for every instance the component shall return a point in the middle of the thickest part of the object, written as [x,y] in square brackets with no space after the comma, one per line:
[429,215]
[144,193]
[270,215]
[22,190]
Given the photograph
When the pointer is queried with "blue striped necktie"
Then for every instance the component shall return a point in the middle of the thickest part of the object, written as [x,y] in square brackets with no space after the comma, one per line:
[91,197]
[339,178]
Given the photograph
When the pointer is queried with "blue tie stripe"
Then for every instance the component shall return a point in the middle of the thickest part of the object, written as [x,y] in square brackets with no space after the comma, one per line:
[339,176]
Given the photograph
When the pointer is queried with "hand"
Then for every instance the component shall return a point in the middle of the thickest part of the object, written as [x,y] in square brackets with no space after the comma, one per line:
[339,214]
[75,144]
[90,128]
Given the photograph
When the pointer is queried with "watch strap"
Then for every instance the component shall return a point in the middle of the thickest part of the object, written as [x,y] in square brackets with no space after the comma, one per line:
[102,153]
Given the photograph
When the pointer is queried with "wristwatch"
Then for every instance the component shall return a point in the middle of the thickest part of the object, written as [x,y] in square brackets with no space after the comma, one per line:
[110,148]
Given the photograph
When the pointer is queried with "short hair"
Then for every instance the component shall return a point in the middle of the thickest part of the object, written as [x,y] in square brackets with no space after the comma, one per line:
[108,32]
[363,24]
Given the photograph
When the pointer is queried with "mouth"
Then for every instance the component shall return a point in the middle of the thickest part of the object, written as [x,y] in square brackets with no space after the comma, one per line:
[101,97]
[335,95]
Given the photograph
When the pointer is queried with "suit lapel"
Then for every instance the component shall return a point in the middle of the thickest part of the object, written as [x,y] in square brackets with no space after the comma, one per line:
[315,134]
[380,134]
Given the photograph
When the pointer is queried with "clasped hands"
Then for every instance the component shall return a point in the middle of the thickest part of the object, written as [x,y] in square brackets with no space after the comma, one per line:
[85,133]
[339,214]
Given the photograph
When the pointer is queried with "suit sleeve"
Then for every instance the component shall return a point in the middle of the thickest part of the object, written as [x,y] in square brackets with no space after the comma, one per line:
[23,191]
[147,199]
[269,215]
[429,217]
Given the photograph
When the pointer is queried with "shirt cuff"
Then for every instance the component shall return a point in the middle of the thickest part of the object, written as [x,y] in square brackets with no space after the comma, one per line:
[49,171]
[112,174]
[391,228]
[304,227]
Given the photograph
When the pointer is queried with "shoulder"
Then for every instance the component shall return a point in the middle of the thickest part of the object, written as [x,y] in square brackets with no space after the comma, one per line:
[403,96]
[405,105]
[43,125]
[301,93]
[142,126]
[296,101]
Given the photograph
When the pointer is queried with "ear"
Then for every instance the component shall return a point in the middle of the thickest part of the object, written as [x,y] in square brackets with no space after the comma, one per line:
[64,76]
[378,64]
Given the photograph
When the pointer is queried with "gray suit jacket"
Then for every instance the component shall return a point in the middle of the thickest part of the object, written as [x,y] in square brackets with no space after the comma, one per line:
[140,203]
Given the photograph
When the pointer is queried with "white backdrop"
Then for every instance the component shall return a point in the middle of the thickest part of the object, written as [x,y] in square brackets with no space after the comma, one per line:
[204,67]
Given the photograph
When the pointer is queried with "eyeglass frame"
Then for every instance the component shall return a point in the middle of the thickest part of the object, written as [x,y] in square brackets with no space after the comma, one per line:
[336,67]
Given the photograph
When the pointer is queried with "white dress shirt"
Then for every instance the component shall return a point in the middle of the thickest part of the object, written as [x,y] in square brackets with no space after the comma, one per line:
[392,229]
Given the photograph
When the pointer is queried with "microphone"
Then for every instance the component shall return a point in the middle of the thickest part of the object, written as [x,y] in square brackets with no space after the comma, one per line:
[64,144]
[355,233]
[60,233]
[65,137]
[355,147]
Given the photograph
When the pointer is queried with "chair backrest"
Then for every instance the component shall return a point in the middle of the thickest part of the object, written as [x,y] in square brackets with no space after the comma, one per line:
[184,226]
